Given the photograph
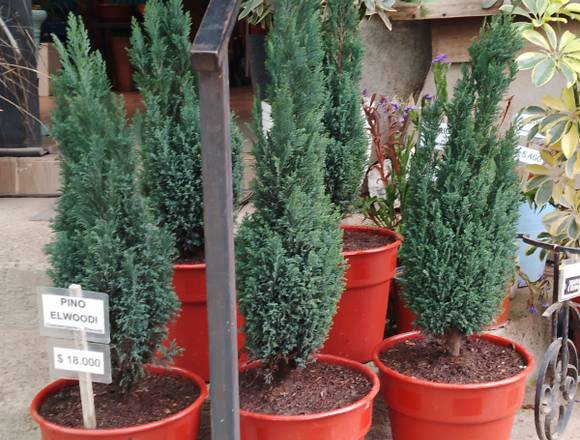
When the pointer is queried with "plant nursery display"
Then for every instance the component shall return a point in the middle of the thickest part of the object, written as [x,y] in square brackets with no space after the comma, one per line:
[370,252]
[169,136]
[460,217]
[289,264]
[106,240]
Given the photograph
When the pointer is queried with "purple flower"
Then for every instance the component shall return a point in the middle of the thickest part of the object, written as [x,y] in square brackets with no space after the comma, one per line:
[395,106]
[365,93]
[532,309]
[428,97]
[408,108]
[441,59]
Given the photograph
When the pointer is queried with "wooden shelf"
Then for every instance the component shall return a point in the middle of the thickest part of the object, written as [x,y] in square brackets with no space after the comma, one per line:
[441,10]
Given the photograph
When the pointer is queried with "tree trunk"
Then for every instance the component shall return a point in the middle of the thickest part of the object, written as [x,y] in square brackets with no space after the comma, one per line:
[453,340]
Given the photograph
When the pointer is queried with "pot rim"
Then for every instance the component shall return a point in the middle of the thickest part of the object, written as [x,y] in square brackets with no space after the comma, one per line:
[336,360]
[383,231]
[130,430]
[499,340]
[188,266]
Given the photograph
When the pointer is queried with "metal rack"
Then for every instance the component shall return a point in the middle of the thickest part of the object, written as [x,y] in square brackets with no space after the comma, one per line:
[557,385]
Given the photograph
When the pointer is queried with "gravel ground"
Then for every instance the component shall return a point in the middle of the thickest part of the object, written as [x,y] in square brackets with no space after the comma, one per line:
[24,230]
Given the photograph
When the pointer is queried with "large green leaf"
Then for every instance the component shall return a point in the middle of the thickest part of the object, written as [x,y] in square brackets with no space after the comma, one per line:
[544,193]
[543,72]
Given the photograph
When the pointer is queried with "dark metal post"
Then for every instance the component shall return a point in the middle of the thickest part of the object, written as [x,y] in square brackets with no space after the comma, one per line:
[209,51]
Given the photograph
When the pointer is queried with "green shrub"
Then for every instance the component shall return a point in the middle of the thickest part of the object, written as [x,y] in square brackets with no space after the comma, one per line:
[462,206]
[289,269]
[169,131]
[104,236]
[346,153]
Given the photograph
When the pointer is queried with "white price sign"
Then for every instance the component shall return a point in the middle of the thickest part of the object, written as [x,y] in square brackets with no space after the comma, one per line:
[68,361]
[63,314]
[81,361]
[569,287]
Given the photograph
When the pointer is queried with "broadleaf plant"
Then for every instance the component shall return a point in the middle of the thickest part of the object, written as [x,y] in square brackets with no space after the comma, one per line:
[556,181]
[169,130]
[105,238]
[462,203]
[289,263]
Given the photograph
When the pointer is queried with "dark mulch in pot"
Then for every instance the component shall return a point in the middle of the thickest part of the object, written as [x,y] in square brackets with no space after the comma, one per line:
[196,257]
[480,361]
[151,399]
[358,240]
[317,388]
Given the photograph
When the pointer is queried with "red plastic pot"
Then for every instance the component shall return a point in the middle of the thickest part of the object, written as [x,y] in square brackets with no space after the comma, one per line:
[123,68]
[359,323]
[420,409]
[190,330]
[405,318]
[182,425]
[114,12]
[352,422]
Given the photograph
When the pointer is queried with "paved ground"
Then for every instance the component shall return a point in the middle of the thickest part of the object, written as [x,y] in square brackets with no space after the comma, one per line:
[24,230]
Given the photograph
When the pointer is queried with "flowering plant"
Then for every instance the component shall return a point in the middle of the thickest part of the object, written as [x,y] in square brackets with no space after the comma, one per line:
[393,149]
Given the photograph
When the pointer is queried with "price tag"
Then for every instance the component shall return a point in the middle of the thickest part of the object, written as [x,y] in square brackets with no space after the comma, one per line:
[63,315]
[569,287]
[67,361]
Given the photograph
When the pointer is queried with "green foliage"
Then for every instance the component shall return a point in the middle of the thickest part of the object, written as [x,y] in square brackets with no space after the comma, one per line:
[462,205]
[289,252]
[104,236]
[554,181]
[169,131]
[347,150]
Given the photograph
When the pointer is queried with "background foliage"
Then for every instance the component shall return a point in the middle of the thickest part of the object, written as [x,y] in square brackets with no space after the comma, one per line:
[346,152]
[557,180]
[170,128]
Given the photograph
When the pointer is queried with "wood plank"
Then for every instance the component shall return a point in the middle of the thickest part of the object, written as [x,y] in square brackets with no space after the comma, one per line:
[454,37]
[441,10]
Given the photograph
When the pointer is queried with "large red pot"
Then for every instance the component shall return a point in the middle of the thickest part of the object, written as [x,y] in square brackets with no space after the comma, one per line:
[421,409]
[190,330]
[359,323]
[181,425]
[352,422]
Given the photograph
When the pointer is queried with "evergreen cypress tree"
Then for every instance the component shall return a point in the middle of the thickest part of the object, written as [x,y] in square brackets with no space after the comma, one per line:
[170,128]
[346,153]
[289,267]
[104,237]
[462,208]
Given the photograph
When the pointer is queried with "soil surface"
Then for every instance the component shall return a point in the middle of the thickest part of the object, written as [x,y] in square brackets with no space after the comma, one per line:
[354,240]
[317,388]
[152,399]
[196,257]
[480,361]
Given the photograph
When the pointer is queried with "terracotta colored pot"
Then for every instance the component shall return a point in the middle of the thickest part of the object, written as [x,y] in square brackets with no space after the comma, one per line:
[123,69]
[421,409]
[114,12]
[352,422]
[182,425]
[359,323]
[190,330]
[405,318]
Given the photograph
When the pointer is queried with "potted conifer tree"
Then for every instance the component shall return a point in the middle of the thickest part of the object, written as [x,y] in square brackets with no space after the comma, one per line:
[289,264]
[370,252]
[106,241]
[169,133]
[460,230]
